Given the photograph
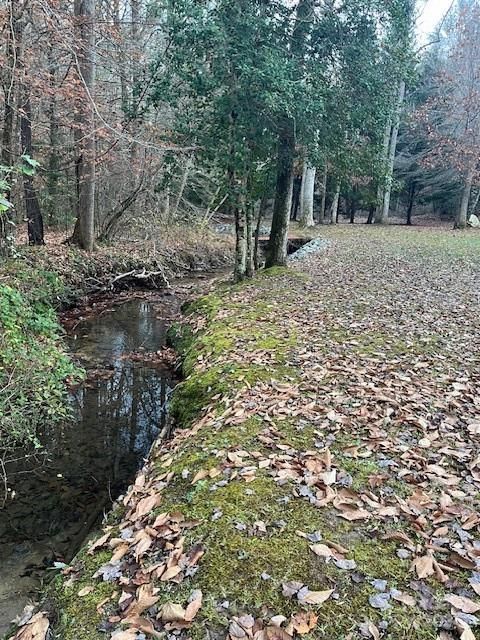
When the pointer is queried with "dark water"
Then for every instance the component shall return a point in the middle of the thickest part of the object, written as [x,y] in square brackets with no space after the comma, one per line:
[61,493]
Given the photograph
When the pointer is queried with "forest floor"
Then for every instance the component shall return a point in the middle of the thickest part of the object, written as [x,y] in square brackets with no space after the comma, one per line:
[324,479]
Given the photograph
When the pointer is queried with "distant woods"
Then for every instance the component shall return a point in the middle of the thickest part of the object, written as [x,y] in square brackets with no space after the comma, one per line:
[121,117]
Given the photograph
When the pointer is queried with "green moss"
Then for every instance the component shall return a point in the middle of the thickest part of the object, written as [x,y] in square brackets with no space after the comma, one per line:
[78,618]
[360,469]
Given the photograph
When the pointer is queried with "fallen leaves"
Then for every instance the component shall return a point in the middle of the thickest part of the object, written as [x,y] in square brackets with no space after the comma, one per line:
[303,593]
[424,566]
[376,432]
[35,629]
[462,603]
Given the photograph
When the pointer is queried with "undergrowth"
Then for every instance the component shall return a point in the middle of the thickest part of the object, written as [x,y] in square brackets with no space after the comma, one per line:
[33,363]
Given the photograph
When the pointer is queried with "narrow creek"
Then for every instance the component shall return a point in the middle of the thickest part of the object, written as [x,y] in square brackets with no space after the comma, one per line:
[60,494]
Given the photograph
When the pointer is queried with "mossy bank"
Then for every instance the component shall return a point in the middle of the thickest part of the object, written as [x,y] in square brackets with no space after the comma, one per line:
[231,478]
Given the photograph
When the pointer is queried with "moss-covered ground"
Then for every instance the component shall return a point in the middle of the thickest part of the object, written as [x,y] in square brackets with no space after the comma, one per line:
[333,404]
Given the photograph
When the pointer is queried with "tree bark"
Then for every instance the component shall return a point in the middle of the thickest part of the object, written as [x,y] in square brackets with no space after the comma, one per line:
[249,261]
[411,201]
[321,213]
[352,210]
[32,205]
[462,215]
[296,197]
[240,245]
[53,160]
[308,192]
[84,13]
[14,32]
[261,213]
[380,189]
[334,209]
[183,184]
[371,214]
[277,245]
[383,218]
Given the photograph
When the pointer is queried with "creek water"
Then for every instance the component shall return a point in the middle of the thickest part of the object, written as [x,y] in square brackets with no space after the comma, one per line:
[59,494]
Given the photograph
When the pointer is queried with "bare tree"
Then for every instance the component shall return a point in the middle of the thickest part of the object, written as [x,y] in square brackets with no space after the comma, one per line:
[84,15]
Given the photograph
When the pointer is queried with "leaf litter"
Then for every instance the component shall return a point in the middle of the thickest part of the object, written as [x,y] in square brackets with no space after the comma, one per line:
[385,379]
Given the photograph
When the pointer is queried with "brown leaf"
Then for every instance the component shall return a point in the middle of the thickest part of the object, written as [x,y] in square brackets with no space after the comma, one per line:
[276,633]
[195,602]
[194,555]
[467,633]
[35,629]
[404,598]
[170,573]
[145,542]
[145,505]
[85,591]
[424,566]
[129,634]
[399,536]
[462,604]
[460,561]
[172,612]
[98,543]
[303,622]
[321,550]
[145,599]
[372,630]
[316,597]
[200,475]
[120,551]
[144,625]
[355,514]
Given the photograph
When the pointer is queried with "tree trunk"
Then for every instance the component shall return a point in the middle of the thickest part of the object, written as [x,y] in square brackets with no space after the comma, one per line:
[183,184]
[411,201]
[277,245]
[321,213]
[111,225]
[14,32]
[261,213]
[308,192]
[84,13]
[462,215]
[240,245]
[53,161]
[249,261]
[380,189]
[296,197]
[352,210]
[371,214]
[32,205]
[334,208]
[383,219]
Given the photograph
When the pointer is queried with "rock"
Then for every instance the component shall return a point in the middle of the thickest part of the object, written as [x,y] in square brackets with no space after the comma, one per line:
[474,221]
[314,246]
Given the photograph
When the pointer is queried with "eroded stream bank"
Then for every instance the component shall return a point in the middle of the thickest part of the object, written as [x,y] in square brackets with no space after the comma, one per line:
[58,496]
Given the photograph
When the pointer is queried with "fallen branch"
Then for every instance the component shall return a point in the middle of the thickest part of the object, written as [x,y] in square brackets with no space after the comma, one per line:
[143,275]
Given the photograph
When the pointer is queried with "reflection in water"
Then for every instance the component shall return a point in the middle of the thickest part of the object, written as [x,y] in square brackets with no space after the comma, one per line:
[88,461]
